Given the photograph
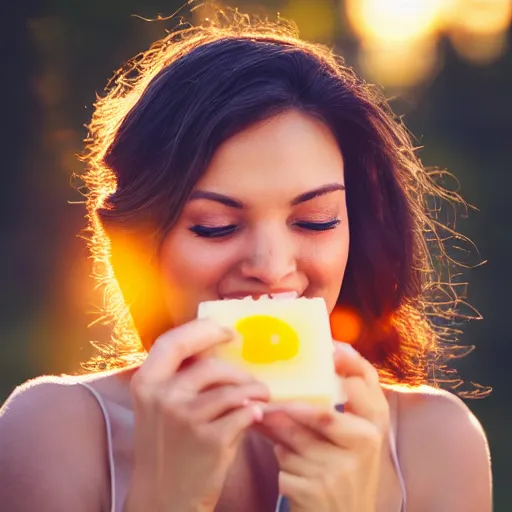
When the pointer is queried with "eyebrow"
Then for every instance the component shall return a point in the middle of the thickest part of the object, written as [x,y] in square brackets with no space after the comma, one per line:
[234,203]
[317,192]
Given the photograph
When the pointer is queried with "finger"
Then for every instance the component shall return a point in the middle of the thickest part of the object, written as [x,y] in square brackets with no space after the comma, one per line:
[296,489]
[214,403]
[231,427]
[344,430]
[207,372]
[282,429]
[307,422]
[175,346]
[295,464]
[367,402]
[349,363]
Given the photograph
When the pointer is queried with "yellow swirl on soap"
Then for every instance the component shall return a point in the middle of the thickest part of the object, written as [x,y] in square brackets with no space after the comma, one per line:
[267,339]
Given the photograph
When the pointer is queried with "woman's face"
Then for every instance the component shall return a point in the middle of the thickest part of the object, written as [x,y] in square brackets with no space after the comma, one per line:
[268,216]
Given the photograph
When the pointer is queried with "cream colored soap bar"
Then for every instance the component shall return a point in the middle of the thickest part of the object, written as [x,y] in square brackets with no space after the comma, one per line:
[283,342]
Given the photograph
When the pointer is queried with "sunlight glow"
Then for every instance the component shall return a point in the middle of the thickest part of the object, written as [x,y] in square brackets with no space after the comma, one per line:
[346,324]
[479,16]
[399,38]
[400,65]
[478,28]
[394,20]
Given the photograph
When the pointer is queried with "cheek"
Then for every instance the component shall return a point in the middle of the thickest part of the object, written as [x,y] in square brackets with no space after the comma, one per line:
[330,255]
[327,263]
[187,266]
[190,274]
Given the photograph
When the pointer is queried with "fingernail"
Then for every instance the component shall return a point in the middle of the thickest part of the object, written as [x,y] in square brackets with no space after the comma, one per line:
[257,412]
[229,332]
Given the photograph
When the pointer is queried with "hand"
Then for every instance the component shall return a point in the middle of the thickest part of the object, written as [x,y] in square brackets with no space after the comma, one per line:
[330,461]
[191,412]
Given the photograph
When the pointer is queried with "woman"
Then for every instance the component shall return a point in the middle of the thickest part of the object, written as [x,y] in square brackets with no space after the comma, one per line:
[236,161]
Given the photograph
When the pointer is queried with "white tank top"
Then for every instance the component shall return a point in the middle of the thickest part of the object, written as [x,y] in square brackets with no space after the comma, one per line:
[282,505]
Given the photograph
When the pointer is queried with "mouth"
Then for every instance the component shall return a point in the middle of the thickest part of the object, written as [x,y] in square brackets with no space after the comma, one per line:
[288,294]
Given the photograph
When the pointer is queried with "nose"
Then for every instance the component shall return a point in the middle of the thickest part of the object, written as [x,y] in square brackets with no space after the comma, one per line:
[271,256]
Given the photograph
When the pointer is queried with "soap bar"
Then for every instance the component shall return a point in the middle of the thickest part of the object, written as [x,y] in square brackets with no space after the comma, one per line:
[285,343]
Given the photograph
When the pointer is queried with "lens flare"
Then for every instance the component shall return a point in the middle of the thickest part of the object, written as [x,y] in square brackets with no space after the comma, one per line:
[346,324]
[394,20]
[479,16]
[478,29]
[400,65]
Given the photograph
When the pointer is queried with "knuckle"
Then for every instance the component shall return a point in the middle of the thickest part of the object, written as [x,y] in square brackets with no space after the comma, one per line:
[295,435]
[167,405]
[229,394]
[179,348]
[210,365]
[140,389]
[373,374]
[174,398]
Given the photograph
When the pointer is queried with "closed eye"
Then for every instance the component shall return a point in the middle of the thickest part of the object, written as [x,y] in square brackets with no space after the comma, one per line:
[218,232]
[223,231]
[318,226]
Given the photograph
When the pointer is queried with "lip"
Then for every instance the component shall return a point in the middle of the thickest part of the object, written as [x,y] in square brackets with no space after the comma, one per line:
[273,294]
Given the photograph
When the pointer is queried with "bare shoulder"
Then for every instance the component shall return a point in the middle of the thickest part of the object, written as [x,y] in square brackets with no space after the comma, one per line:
[444,452]
[52,448]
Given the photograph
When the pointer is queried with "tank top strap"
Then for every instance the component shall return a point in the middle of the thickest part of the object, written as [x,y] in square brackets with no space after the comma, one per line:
[393,443]
[282,504]
[110,450]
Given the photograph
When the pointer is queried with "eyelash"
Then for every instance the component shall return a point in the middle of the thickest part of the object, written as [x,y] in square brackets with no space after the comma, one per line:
[220,232]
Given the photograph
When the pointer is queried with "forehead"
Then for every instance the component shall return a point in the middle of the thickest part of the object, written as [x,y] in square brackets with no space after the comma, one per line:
[286,154]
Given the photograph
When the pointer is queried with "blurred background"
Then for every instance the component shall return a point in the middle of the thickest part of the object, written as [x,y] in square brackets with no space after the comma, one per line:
[446,65]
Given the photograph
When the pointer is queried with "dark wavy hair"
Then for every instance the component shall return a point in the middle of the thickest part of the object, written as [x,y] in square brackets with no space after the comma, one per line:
[154,133]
